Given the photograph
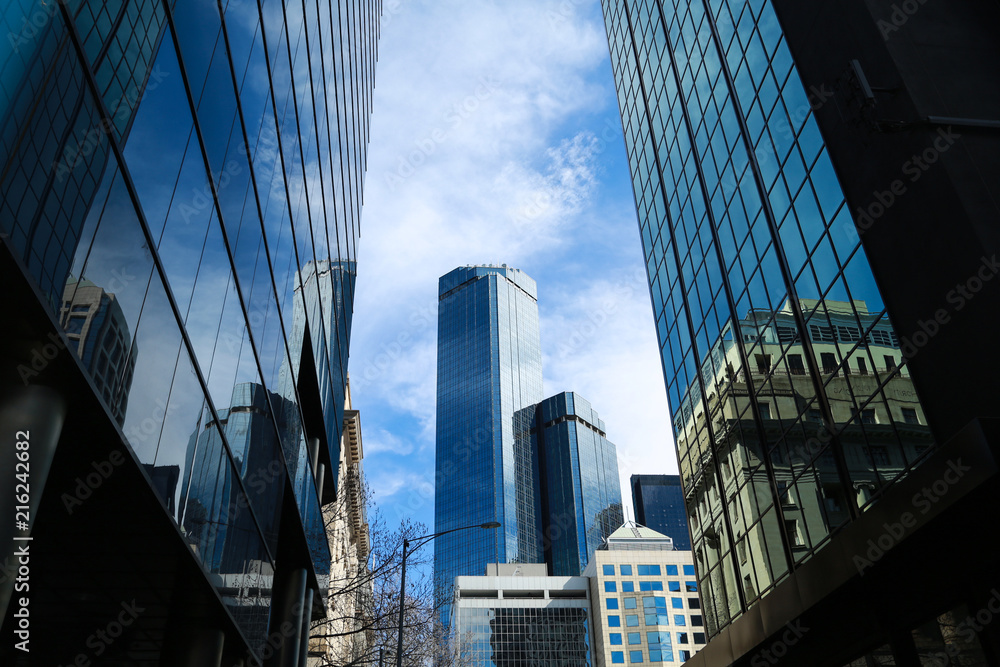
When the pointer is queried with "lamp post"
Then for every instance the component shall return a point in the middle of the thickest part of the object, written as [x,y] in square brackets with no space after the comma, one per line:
[421,541]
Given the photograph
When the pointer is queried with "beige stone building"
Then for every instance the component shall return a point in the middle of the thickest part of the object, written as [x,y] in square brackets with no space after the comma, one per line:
[646,603]
[346,636]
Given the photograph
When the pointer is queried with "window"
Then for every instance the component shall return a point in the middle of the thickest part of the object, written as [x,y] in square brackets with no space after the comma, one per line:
[612,603]
[657,619]
[649,570]
[614,621]
[674,586]
[879,454]
[671,570]
[628,587]
[635,656]
[689,570]
[815,415]
[618,657]
[626,570]
[792,529]
[634,638]
[680,619]
[698,637]
[890,362]
[615,638]
[685,656]
[697,620]
[692,587]
[862,366]
[787,335]
[609,570]
[910,416]
[694,603]
[632,620]
[609,587]
[650,585]
[821,334]
[677,603]
[795,366]
[867,416]
[660,648]
[765,410]
[849,334]
[630,603]
[829,362]
[763,363]
[682,638]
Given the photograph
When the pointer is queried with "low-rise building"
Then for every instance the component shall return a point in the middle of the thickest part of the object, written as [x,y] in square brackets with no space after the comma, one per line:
[645,599]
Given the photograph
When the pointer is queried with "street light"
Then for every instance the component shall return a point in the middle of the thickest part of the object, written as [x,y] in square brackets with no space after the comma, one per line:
[422,540]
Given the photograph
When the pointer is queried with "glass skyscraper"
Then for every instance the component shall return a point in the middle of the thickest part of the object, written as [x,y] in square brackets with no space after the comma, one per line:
[580,499]
[659,504]
[489,368]
[181,196]
[792,404]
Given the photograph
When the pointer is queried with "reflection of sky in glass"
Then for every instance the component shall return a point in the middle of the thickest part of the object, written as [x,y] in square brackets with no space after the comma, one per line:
[206,223]
[768,316]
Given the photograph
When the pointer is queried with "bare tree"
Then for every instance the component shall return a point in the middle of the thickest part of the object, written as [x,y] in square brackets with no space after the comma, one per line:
[364,594]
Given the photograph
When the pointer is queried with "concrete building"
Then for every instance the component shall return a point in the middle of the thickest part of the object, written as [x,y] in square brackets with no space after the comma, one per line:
[518,615]
[646,603]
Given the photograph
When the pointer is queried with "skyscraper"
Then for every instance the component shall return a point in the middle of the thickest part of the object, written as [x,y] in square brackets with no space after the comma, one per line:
[659,504]
[581,502]
[489,368]
[181,194]
[800,429]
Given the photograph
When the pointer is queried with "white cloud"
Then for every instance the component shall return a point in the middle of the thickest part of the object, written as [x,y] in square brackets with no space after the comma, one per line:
[490,136]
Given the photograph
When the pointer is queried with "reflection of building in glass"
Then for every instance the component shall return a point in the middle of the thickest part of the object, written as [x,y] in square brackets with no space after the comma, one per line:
[645,597]
[185,203]
[489,367]
[206,510]
[516,615]
[798,426]
[878,442]
[54,150]
[93,320]
[659,504]
[580,495]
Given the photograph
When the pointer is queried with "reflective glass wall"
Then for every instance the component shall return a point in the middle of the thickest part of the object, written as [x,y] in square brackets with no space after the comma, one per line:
[792,406]
[581,497]
[659,504]
[182,181]
[489,367]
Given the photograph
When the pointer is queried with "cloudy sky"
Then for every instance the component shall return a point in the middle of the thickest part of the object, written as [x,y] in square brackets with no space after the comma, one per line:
[496,139]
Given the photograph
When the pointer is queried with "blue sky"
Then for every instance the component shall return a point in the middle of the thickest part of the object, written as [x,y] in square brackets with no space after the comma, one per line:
[496,139]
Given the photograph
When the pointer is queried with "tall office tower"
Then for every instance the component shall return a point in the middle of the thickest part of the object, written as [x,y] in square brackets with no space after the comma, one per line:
[659,504]
[489,367]
[581,498]
[805,449]
[181,194]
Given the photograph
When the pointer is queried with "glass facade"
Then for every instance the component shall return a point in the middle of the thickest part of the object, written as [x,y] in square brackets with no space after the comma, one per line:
[581,500]
[182,183]
[511,636]
[792,406]
[489,367]
[659,504]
